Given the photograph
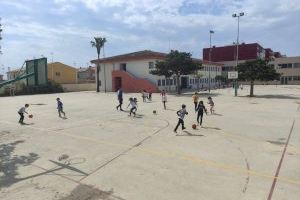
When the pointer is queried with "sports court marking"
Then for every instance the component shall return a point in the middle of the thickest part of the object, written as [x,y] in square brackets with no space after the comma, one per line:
[170,154]
[281,159]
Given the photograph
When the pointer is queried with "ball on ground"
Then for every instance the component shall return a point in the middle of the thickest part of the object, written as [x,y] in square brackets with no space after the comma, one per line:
[154,112]
[194,126]
[30,116]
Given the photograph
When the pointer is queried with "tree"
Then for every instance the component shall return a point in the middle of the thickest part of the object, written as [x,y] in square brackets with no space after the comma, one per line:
[99,43]
[176,63]
[257,70]
[222,79]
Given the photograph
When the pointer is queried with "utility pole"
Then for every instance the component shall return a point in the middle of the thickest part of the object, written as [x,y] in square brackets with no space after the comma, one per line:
[209,60]
[237,48]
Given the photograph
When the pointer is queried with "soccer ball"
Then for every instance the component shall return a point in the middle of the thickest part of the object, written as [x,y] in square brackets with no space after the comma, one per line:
[154,112]
[194,126]
[30,116]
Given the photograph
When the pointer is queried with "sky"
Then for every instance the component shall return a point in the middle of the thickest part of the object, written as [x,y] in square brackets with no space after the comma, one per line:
[61,30]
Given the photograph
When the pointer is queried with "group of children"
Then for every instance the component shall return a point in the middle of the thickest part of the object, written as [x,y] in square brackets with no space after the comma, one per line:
[199,109]
[23,109]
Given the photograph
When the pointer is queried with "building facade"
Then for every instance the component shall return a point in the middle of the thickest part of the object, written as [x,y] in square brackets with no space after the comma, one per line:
[86,75]
[289,68]
[132,73]
[62,73]
[227,55]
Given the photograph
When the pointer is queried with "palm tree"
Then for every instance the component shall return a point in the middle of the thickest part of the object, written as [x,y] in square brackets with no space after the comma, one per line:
[99,43]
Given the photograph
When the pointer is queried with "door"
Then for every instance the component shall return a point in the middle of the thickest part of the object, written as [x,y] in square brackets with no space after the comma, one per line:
[118,83]
[184,82]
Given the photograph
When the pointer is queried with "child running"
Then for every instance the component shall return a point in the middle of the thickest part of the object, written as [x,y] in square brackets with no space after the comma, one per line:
[133,103]
[120,99]
[21,113]
[164,98]
[60,107]
[195,98]
[181,113]
[211,104]
[201,109]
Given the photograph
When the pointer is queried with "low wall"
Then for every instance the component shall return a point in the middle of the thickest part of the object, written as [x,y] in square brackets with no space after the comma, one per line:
[79,87]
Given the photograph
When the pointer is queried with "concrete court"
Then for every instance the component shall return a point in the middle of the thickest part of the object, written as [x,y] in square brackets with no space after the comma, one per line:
[100,153]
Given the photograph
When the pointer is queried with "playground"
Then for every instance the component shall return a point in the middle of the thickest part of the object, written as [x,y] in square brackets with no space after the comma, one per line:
[249,149]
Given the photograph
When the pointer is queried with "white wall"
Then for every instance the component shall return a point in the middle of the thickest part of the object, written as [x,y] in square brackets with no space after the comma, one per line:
[140,69]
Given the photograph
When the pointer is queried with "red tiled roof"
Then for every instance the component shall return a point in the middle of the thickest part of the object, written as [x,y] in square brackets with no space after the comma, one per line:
[139,55]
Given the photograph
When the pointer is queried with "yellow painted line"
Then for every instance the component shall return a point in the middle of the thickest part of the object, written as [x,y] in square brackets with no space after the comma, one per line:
[195,160]
[218,165]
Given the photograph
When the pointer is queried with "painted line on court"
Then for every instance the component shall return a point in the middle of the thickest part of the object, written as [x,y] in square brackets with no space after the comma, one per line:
[126,151]
[281,161]
[214,164]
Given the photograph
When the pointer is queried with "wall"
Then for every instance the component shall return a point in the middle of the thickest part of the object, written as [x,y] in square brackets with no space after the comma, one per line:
[67,74]
[79,87]
[140,69]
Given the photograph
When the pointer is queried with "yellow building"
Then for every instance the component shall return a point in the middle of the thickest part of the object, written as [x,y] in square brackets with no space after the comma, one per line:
[61,73]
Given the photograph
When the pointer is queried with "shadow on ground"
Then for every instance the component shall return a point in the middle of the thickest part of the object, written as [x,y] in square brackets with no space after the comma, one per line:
[9,163]
[90,193]
[201,94]
[271,96]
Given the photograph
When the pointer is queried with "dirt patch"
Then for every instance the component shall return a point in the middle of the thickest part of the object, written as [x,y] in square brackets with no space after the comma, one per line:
[87,192]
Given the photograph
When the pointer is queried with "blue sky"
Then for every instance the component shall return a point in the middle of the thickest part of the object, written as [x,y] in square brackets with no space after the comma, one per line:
[65,27]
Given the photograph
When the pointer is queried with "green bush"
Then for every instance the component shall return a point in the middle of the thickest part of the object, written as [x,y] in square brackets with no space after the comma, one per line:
[51,87]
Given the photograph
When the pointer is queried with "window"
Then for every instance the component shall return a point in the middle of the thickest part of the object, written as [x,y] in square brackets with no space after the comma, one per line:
[171,81]
[167,81]
[163,82]
[290,78]
[151,65]
[123,66]
[174,81]
[296,65]
[159,82]
[57,73]
[191,82]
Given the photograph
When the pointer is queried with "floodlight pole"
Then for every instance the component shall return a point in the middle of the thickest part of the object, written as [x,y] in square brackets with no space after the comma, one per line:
[237,49]
[209,60]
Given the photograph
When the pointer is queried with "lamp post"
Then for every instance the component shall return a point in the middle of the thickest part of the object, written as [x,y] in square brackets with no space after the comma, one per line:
[237,46]
[209,59]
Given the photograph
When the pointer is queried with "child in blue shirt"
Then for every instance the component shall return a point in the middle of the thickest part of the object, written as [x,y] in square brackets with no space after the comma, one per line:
[60,107]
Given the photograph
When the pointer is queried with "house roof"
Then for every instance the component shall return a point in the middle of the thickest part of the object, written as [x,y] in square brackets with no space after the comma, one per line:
[60,64]
[139,55]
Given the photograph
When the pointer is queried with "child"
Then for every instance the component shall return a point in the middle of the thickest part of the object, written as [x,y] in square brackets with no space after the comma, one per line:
[212,104]
[201,108]
[21,113]
[164,98]
[133,103]
[195,98]
[150,95]
[181,113]
[144,95]
[60,107]
[120,99]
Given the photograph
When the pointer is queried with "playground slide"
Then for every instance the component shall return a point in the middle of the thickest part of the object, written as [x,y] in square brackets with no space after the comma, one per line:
[16,79]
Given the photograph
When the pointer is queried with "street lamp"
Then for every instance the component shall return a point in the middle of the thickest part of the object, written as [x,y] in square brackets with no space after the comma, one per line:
[237,46]
[209,59]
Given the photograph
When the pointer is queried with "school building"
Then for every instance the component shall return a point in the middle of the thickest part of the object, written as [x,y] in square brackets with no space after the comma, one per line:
[132,72]
[289,68]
